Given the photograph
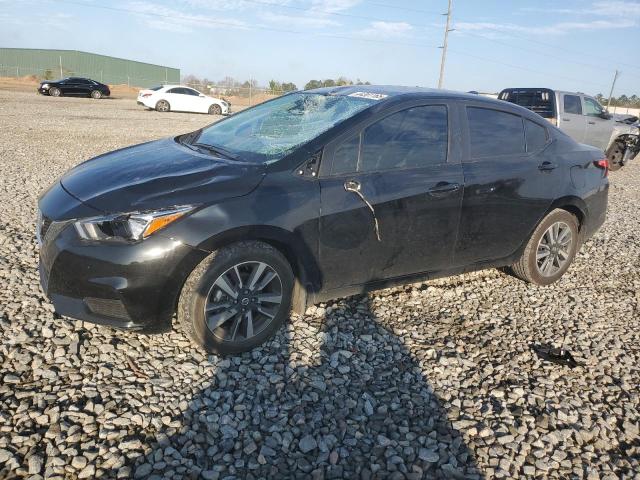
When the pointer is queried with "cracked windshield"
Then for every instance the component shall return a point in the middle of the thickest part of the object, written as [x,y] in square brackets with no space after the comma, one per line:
[269,131]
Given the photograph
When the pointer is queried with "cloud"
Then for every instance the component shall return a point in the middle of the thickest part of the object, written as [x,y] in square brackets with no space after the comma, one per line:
[559,28]
[382,29]
[296,21]
[333,6]
[164,18]
[607,8]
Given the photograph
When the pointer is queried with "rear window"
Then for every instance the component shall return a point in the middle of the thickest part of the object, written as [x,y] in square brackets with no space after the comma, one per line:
[572,104]
[494,132]
[536,100]
[155,89]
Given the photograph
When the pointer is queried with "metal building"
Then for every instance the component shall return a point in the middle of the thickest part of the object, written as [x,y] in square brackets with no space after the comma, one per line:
[54,64]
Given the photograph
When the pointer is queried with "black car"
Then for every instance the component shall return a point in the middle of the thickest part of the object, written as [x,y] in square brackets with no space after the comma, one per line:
[74,86]
[312,196]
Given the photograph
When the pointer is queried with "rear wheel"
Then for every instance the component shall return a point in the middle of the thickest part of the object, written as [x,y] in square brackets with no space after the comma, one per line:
[54,92]
[96,94]
[550,250]
[163,106]
[237,298]
[215,110]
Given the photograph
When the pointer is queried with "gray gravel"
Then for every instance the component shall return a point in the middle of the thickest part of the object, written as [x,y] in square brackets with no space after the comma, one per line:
[429,380]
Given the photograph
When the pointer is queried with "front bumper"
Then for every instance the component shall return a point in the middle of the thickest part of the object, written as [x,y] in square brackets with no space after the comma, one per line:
[129,286]
[43,91]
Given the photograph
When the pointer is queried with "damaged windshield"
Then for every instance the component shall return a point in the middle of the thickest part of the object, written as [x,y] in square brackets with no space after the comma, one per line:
[268,132]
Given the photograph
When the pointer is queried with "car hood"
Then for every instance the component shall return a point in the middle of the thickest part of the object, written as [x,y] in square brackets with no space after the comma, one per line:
[158,174]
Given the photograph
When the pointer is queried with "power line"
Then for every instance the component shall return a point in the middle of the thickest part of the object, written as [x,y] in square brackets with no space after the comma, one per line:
[205,21]
[546,54]
[295,32]
[529,39]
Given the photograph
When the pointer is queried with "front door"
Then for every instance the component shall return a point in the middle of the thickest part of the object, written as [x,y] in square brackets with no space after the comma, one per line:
[572,121]
[599,129]
[510,182]
[390,203]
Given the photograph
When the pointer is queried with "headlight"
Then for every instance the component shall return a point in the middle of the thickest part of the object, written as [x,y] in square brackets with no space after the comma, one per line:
[45,85]
[129,227]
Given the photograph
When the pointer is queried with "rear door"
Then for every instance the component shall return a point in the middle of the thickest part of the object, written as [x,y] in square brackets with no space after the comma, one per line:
[390,197]
[510,182]
[177,99]
[572,121]
[599,129]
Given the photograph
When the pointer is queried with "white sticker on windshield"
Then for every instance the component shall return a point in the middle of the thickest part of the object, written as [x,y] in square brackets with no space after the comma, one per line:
[370,96]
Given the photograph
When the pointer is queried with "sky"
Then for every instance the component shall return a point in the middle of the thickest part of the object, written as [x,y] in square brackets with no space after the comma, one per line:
[573,45]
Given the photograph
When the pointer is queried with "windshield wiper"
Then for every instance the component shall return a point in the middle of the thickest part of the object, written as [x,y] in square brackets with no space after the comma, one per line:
[216,150]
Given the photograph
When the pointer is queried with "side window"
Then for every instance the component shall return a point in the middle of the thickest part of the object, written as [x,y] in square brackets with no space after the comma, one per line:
[415,137]
[177,90]
[536,136]
[592,107]
[494,132]
[192,92]
[345,157]
[572,104]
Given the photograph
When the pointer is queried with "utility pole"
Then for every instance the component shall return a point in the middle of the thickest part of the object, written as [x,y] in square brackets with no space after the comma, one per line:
[615,77]
[61,74]
[444,45]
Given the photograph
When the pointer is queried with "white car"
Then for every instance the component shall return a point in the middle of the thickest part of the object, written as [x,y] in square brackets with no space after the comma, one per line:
[179,98]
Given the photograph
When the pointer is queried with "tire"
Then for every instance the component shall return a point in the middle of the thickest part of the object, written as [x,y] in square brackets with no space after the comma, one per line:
[54,92]
[532,269]
[163,106]
[215,109]
[97,94]
[615,154]
[225,329]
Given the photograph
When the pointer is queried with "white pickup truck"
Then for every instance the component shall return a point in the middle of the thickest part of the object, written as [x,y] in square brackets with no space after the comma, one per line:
[582,118]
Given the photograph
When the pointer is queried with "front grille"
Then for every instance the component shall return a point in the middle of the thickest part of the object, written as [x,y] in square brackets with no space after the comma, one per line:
[107,307]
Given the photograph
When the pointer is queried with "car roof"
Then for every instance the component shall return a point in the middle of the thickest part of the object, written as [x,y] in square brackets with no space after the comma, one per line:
[539,89]
[391,92]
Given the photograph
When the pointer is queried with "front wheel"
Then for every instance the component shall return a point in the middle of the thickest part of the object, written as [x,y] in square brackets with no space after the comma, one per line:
[615,155]
[550,250]
[215,110]
[54,92]
[237,298]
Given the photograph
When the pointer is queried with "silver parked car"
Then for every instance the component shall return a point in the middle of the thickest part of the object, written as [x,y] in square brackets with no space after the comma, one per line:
[582,118]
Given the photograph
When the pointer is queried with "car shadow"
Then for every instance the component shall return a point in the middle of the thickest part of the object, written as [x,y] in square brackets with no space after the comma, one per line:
[333,395]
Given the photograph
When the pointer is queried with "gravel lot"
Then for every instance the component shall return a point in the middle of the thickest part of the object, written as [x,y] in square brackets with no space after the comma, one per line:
[429,380]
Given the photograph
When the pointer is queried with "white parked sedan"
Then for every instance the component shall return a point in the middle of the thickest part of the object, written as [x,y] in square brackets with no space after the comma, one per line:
[179,98]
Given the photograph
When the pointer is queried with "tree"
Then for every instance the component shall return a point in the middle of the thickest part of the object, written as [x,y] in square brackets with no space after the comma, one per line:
[313,84]
[274,87]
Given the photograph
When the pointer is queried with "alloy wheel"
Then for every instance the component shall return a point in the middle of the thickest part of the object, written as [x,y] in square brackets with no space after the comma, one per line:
[243,301]
[554,249]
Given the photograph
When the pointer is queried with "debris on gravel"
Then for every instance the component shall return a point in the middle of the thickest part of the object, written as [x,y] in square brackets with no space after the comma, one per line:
[427,380]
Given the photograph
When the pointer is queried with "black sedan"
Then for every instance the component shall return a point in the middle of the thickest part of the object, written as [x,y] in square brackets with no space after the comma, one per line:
[74,86]
[312,196]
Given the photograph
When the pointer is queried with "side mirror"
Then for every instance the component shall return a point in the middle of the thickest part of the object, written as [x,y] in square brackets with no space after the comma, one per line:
[605,115]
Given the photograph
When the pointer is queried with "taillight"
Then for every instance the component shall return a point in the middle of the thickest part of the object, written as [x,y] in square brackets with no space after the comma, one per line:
[145,95]
[603,164]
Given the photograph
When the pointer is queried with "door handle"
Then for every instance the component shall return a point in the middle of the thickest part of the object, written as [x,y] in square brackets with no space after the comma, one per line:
[547,166]
[354,186]
[591,123]
[566,119]
[443,189]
